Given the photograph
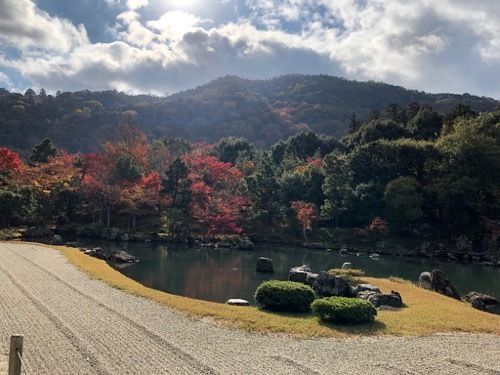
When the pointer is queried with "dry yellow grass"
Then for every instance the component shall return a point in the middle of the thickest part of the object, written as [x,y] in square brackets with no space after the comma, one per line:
[425,312]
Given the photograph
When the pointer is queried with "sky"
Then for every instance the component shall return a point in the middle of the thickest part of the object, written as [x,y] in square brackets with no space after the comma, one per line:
[160,47]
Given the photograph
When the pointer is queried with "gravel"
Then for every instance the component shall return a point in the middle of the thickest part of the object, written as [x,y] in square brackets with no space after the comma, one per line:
[77,325]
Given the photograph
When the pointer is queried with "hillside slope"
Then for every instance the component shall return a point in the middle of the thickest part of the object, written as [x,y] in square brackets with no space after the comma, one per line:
[261,111]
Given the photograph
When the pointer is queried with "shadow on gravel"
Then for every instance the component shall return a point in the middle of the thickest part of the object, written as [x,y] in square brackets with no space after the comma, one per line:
[374,328]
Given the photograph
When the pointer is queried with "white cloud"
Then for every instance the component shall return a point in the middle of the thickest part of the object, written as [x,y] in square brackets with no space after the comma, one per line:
[5,80]
[22,25]
[136,4]
[172,26]
[423,44]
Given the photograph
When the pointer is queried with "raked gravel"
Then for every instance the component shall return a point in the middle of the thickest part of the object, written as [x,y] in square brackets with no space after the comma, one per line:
[77,325]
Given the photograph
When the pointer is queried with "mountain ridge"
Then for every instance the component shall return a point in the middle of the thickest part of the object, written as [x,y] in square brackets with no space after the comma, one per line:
[262,111]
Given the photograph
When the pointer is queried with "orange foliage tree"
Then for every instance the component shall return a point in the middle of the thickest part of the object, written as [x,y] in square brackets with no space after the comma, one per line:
[306,212]
[48,181]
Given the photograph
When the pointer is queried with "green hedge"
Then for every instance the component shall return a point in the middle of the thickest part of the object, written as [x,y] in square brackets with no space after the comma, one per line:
[284,296]
[344,310]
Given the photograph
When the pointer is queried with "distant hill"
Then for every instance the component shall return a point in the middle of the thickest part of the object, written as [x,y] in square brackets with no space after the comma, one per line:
[263,111]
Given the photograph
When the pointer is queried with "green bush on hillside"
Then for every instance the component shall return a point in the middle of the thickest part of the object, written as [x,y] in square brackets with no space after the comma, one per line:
[284,296]
[344,310]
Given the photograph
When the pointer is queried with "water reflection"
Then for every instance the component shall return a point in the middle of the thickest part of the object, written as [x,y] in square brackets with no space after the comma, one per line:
[220,274]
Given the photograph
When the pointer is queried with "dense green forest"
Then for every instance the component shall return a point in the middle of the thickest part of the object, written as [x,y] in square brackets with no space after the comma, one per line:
[263,112]
[408,170]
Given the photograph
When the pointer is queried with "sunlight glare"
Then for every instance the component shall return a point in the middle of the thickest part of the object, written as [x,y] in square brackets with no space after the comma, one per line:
[182,4]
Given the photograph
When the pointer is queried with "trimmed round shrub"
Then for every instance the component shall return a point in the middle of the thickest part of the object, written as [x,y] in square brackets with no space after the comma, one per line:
[344,310]
[284,296]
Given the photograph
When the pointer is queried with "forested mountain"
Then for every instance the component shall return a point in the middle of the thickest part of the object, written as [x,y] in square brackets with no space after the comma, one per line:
[263,112]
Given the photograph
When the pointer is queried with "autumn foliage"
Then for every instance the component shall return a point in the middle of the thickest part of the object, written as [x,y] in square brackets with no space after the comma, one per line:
[9,161]
[306,212]
[215,201]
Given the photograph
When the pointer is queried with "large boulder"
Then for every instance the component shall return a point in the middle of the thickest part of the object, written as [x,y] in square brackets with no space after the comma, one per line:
[96,252]
[34,232]
[264,265]
[122,257]
[299,274]
[311,278]
[366,288]
[477,303]
[56,240]
[425,280]
[480,301]
[437,282]
[442,285]
[392,299]
[327,285]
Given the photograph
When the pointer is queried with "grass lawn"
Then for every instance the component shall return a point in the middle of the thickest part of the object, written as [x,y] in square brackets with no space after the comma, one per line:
[424,313]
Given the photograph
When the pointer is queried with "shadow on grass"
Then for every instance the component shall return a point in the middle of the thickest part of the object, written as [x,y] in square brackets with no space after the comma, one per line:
[366,329]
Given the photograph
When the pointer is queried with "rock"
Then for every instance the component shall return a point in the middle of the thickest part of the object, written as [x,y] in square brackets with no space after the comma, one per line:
[96,252]
[366,288]
[374,256]
[34,232]
[425,280]
[122,257]
[56,240]
[442,285]
[487,299]
[72,244]
[327,285]
[392,299]
[111,234]
[311,278]
[452,257]
[299,274]
[264,265]
[245,244]
[347,266]
[237,302]
[477,303]
[125,237]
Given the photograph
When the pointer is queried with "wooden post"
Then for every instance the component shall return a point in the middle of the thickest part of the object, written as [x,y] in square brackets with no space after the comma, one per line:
[16,346]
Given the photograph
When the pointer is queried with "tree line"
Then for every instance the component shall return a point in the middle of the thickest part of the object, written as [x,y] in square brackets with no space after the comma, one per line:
[409,170]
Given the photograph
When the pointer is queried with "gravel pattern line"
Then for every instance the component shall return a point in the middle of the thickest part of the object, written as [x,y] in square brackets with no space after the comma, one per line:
[74,324]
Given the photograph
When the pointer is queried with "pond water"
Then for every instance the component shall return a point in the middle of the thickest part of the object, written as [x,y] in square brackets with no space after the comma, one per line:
[220,274]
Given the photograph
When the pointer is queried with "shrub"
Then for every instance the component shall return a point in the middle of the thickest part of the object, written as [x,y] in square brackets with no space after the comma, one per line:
[344,310]
[284,296]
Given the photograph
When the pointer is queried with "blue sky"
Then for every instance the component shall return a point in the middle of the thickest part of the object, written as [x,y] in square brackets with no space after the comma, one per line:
[164,46]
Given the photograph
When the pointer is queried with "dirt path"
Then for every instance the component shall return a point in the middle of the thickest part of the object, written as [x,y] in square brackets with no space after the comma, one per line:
[76,325]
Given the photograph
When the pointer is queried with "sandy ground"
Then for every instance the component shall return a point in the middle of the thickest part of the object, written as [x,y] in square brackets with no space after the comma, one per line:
[76,325]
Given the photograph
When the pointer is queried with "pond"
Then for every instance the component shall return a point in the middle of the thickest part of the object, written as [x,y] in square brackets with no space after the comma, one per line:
[218,274]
